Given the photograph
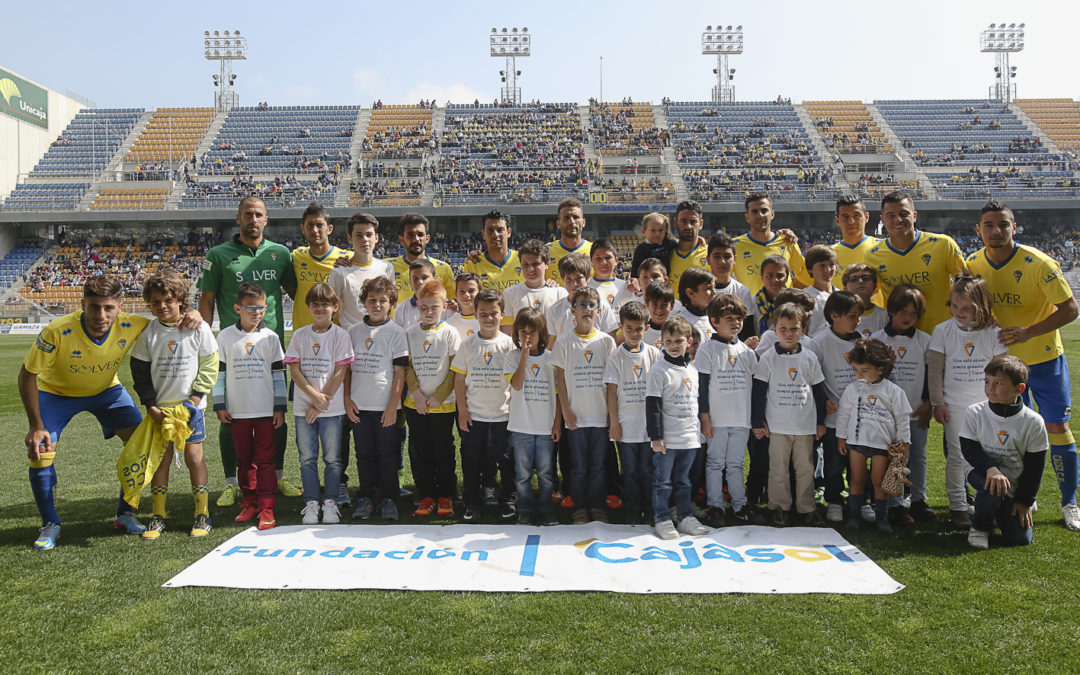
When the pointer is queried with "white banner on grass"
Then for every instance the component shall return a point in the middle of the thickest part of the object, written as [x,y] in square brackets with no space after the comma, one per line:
[594,557]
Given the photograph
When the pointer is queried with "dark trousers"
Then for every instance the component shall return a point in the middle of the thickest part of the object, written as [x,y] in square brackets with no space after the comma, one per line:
[431,451]
[377,455]
[483,457]
[834,466]
[253,440]
[757,478]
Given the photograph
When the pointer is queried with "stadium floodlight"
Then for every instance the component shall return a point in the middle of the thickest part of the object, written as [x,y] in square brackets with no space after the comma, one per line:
[1002,40]
[226,47]
[722,42]
[509,44]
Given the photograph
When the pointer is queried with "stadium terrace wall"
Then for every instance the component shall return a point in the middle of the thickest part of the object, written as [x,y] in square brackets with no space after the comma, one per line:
[935,216]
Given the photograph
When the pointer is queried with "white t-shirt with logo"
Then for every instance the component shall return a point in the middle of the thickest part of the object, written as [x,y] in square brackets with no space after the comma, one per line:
[173,355]
[532,408]
[1006,439]
[464,324]
[677,387]
[374,351]
[966,354]
[319,354]
[249,380]
[873,321]
[730,368]
[909,369]
[629,370]
[610,290]
[430,352]
[519,296]
[830,350]
[701,323]
[347,282]
[790,407]
[583,360]
[481,361]
[560,320]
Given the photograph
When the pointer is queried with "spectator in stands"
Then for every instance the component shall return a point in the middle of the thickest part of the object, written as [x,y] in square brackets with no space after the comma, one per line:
[249,257]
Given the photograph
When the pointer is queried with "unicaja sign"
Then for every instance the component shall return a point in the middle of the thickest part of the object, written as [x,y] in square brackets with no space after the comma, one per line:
[23,100]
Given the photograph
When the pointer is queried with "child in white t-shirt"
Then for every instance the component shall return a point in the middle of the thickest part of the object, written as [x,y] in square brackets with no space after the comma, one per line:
[535,419]
[788,408]
[483,410]
[672,422]
[534,291]
[407,313]
[374,388]
[625,377]
[250,396]
[347,281]
[821,264]
[726,374]
[170,366]
[430,403]
[695,292]
[604,258]
[721,262]
[659,299]
[580,358]
[1006,444]
[862,280]
[466,287]
[576,270]
[873,414]
[959,349]
[318,357]
[905,306]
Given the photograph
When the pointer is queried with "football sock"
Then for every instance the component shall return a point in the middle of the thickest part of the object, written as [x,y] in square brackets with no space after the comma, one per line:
[158,493]
[1066,465]
[202,496]
[42,482]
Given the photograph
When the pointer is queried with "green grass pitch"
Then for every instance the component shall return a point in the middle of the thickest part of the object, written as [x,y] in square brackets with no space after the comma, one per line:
[94,604]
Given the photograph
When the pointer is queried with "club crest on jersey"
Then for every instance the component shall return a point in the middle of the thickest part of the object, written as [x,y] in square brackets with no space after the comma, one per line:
[686,383]
[637,372]
[731,359]
[487,358]
[1003,436]
[172,346]
[793,373]
[536,304]
[315,348]
[122,343]
[517,270]
[76,354]
[469,332]
[249,347]
[969,348]
[610,298]
[1017,274]
[367,344]
[926,259]
[535,368]
[901,353]
[427,346]
[871,400]
[588,355]
[273,256]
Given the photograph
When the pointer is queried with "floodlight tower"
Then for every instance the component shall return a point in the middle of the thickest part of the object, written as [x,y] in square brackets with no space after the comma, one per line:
[510,44]
[226,48]
[722,42]
[1001,40]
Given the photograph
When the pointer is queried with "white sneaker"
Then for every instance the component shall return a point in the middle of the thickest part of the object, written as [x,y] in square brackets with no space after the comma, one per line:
[666,530]
[310,512]
[835,513]
[1071,514]
[330,514]
[692,526]
[1034,506]
[979,539]
[867,513]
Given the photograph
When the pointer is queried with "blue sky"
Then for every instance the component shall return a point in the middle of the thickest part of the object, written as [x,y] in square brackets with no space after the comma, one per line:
[307,53]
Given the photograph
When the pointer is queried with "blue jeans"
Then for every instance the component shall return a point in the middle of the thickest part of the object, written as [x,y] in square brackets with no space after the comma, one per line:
[533,453]
[637,474]
[727,448]
[588,446]
[989,508]
[327,432]
[672,467]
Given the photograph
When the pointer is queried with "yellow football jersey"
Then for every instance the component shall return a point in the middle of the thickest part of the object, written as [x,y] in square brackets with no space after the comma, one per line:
[68,362]
[309,271]
[556,252]
[849,255]
[749,254]
[1025,289]
[699,257]
[501,275]
[928,264]
[443,271]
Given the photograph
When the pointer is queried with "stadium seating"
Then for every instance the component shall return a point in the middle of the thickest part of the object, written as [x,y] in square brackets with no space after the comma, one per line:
[398,132]
[282,140]
[624,129]
[275,191]
[1006,184]
[963,132]
[847,127]
[17,261]
[45,197]
[172,134]
[1059,119]
[88,143]
[114,200]
[388,192]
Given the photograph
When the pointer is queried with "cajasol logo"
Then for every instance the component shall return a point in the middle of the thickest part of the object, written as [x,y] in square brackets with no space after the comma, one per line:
[689,555]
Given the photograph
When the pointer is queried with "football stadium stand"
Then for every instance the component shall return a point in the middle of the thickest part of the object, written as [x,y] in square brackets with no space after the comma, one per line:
[625,129]
[171,135]
[1058,118]
[847,127]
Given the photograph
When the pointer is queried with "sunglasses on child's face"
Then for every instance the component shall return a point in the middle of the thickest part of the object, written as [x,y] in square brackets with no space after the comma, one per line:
[254,309]
[587,305]
[859,279]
